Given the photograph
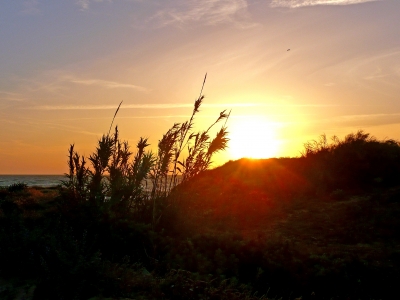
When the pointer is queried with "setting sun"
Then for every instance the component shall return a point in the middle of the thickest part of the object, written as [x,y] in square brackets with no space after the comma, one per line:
[253,137]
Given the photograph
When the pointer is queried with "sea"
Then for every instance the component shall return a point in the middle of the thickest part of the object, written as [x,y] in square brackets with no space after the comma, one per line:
[32,180]
[48,180]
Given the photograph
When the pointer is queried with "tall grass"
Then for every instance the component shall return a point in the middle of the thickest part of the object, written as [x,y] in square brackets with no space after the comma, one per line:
[117,176]
[171,168]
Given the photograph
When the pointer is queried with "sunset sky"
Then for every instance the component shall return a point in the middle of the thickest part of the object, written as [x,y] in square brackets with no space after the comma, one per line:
[290,70]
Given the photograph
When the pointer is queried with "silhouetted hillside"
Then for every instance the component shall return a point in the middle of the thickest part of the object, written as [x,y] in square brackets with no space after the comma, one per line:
[322,226]
[247,191]
[326,221]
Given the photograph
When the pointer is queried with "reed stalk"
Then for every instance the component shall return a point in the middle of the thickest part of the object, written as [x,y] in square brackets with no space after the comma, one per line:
[118,176]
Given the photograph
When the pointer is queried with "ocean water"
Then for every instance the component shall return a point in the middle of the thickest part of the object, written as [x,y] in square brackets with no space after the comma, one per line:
[50,180]
[32,180]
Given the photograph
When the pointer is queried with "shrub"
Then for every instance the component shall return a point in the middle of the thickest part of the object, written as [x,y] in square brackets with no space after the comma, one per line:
[357,161]
[17,187]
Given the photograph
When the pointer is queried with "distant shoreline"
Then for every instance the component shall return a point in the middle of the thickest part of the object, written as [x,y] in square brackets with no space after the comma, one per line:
[32,180]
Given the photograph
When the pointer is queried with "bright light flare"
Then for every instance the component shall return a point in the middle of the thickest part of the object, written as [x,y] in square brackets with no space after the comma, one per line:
[252,137]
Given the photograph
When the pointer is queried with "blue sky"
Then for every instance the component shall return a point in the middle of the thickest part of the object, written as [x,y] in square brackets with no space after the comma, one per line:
[66,65]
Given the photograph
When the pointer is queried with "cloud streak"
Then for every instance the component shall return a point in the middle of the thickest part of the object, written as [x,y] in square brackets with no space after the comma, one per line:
[211,12]
[172,105]
[108,84]
[84,4]
[9,96]
[138,106]
[30,7]
[180,12]
[302,3]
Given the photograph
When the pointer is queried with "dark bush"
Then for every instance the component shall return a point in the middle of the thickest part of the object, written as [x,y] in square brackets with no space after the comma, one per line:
[17,187]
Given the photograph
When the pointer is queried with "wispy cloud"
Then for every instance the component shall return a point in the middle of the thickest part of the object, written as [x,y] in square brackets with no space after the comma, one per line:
[301,3]
[108,84]
[366,116]
[210,12]
[172,105]
[139,106]
[9,96]
[379,73]
[30,7]
[84,4]
[353,121]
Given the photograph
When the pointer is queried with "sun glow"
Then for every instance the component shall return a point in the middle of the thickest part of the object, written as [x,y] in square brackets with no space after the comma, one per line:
[253,137]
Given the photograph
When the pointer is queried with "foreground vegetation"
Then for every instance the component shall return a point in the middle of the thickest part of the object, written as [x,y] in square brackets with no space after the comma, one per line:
[321,226]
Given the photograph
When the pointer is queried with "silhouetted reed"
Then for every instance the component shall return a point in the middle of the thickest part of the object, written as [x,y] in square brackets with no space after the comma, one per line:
[115,177]
[171,168]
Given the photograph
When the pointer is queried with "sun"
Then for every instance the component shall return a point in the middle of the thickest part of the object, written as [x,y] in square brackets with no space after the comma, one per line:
[252,137]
